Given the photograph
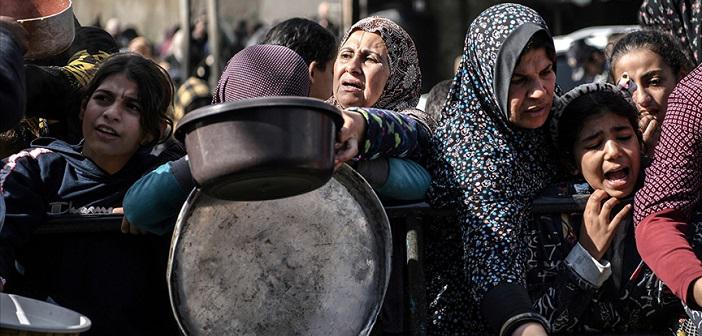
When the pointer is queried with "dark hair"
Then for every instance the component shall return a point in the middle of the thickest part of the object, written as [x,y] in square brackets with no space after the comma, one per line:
[586,107]
[540,40]
[660,43]
[155,93]
[307,38]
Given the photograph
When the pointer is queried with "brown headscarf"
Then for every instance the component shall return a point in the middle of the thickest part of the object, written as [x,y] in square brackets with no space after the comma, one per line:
[403,88]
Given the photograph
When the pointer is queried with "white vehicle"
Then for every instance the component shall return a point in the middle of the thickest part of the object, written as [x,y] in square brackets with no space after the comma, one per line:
[599,37]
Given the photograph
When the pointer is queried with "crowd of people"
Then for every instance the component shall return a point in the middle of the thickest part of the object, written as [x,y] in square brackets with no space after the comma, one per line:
[90,132]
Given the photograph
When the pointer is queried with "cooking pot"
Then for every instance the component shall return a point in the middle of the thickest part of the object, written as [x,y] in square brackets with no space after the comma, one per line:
[315,264]
[261,148]
[28,317]
[49,23]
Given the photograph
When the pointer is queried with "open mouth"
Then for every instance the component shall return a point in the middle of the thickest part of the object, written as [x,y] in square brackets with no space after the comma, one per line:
[617,177]
[352,84]
[535,110]
[106,130]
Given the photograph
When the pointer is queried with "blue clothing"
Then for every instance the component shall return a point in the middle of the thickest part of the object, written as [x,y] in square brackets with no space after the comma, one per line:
[12,82]
[155,199]
[407,181]
[153,202]
[109,278]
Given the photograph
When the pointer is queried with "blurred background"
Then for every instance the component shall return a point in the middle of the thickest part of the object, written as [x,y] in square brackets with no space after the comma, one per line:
[437,26]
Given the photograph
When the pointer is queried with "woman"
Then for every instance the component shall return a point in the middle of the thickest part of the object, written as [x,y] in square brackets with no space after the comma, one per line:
[376,75]
[106,278]
[655,62]
[490,157]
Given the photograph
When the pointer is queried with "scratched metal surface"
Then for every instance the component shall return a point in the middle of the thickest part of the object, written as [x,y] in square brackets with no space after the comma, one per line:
[313,264]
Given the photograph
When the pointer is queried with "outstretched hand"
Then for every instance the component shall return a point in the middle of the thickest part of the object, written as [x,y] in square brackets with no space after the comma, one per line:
[598,229]
[349,138]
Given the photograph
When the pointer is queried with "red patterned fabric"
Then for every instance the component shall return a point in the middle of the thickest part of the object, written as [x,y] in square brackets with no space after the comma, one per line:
[672,189]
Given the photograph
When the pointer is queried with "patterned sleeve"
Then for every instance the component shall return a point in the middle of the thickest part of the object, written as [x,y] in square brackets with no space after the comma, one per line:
[391,134]
[558,292]
[674,180]
[565,301]
[672,188]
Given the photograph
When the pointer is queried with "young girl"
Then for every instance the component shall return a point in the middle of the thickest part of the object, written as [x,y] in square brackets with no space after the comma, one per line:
[655,61]
[584,271]
[123,115]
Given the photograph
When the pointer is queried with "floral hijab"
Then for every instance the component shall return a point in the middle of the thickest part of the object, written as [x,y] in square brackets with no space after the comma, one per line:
[681,18]
[482,165]
[403,89]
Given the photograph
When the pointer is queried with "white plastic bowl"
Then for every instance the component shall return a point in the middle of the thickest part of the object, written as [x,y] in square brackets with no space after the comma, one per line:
[25,314]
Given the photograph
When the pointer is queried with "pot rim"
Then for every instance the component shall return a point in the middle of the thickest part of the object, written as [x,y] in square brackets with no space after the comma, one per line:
[193,119]
[39,18]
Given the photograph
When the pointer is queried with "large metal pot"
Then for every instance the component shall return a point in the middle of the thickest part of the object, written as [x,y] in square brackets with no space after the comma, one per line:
[315,264]
[261,148]
[49,23]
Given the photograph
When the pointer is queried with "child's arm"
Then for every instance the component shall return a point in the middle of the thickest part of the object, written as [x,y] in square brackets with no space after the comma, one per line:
[571,295]
[153,201]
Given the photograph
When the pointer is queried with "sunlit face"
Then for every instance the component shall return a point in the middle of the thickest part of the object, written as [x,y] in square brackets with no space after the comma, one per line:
[111,126]
[361,70]
[607,152]
[531,89]
[321,81]
[654,80]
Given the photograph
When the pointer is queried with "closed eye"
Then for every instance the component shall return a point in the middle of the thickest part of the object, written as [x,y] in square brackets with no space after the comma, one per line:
[518,79]
[547,71]
[594,145]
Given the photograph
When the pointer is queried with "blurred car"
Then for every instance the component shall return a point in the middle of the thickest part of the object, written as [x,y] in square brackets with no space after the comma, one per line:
[598,36]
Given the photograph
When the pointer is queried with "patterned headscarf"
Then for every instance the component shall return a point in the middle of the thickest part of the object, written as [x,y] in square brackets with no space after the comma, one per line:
[681,18]
[404,85]
[263,70]
[482,165]
[563,101]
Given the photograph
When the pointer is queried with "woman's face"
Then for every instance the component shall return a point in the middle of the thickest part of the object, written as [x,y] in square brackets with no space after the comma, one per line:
[531,89]
[654,80]
[607,153]
[361,70]
[111,126]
